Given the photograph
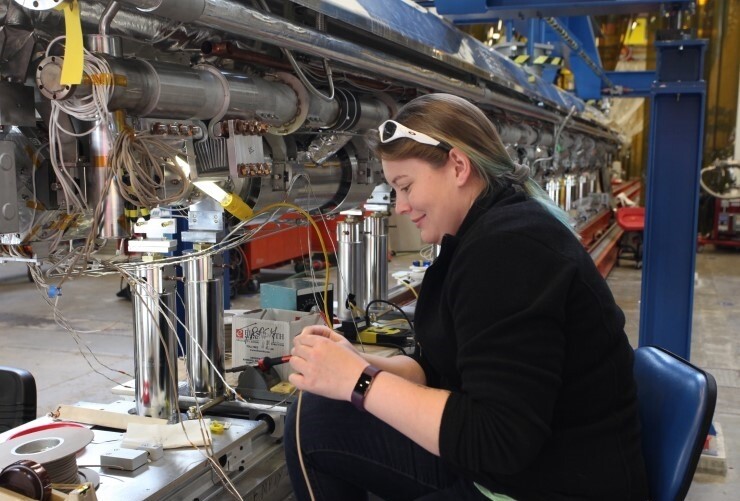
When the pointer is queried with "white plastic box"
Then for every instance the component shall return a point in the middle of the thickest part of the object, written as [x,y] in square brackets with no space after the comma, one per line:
[267,333]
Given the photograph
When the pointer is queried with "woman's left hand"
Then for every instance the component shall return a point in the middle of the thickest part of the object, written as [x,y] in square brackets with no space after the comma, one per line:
[326,363]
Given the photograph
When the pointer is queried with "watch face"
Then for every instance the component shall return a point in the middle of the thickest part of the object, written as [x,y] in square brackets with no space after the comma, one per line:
[362,385]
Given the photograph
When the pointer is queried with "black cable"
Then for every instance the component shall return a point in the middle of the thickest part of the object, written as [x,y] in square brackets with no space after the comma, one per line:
[391,345]
[367,315]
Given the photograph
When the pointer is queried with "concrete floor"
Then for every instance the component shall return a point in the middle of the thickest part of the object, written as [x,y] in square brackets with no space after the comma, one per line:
[67,372]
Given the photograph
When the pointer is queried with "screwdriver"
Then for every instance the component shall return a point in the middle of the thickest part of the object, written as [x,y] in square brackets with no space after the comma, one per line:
[263,364]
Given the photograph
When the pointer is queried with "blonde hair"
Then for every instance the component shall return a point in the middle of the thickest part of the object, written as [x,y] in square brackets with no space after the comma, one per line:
[464,126]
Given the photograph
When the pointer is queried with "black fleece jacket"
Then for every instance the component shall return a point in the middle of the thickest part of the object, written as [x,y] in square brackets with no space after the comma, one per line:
[516,321]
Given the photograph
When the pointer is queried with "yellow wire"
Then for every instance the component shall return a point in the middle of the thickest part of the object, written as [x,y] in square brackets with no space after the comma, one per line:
[310,219]
[410,287]
[327,319]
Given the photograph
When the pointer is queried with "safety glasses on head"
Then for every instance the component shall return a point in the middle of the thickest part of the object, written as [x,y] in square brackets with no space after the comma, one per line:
[390,130]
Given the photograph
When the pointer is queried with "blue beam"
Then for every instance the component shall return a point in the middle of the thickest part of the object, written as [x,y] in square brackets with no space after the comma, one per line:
[486,11]
[535,35]
[576,35]
[672,196]
[509,26]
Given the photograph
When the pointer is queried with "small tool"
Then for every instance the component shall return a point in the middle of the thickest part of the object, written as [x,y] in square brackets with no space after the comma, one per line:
[263,364]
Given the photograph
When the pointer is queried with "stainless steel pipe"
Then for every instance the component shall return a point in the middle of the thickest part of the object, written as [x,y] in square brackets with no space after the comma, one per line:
[350,268]
[101,141]
[376,256]
[155,350]
[205,326]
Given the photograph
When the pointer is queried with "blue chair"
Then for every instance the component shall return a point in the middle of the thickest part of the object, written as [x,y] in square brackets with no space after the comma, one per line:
[17,397]
[676,404]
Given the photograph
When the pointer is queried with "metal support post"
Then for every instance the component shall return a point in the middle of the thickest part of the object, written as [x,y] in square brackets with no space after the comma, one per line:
[672,196]
[155,371]
[376,257]
[204,321]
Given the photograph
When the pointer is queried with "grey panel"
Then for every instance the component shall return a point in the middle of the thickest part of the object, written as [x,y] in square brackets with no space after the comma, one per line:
[16,105]
[8,193]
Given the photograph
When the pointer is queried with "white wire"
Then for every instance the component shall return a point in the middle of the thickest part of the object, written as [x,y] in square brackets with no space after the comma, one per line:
[90,108]
[709,190]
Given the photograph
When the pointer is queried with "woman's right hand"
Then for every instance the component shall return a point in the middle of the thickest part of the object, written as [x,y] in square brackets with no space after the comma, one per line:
[326,363]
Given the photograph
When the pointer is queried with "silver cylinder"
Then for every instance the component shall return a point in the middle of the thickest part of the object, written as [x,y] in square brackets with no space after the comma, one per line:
[351,268]
[553,190]
[184,10]
[159,89]
[570,191]
[321,114]
[376,256]
[111,221]
[155,350]
[205,327]
[372,113]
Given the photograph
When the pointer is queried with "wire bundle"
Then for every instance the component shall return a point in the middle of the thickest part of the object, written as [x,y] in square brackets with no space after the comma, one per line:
[139,162]
[90,108]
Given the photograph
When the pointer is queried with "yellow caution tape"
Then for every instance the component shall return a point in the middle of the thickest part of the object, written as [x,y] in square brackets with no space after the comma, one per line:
[521,59]
[540,60]
[74,57]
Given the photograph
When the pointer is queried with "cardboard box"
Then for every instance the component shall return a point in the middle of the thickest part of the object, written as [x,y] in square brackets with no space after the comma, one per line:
[267,333]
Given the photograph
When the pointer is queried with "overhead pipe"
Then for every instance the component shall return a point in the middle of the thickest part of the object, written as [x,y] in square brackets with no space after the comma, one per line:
[107,18]
[281,33]
[243,21]
[232,51]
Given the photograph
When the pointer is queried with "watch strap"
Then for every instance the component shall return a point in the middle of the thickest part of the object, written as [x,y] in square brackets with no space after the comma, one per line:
[363,386]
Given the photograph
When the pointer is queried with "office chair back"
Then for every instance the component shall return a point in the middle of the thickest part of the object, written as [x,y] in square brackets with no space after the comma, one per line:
[676,404]
[17,397]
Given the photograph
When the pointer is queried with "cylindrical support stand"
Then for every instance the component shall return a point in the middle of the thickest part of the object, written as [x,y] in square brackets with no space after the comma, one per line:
[205,327]
[570,186]
[351,268]
[376,256]
[155,351]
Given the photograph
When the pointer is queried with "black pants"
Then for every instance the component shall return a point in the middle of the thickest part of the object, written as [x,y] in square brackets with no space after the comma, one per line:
[348,453]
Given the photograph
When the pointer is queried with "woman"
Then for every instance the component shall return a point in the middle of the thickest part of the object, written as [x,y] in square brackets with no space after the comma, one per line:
[521,381]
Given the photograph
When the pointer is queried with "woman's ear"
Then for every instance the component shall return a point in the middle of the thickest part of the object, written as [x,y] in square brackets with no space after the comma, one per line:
[462,166]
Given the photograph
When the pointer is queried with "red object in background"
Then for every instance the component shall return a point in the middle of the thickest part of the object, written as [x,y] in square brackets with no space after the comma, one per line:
[631,218]
[725,225]
[598,235]
[288,244]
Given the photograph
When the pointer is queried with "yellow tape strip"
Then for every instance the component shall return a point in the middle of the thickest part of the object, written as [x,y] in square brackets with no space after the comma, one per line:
[540,60]
[105,79]
[73,53]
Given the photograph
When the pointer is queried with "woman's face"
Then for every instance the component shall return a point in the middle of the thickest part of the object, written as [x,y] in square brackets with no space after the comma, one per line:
[429,196]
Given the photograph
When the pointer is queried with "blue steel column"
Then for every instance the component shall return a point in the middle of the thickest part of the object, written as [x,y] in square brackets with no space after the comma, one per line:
[675,153]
